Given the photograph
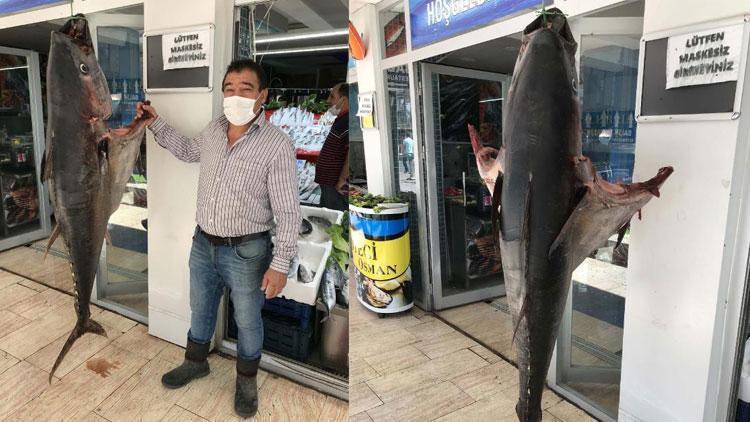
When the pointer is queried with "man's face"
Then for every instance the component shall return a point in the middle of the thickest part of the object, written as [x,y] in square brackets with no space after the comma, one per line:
[245,84]
[333,98]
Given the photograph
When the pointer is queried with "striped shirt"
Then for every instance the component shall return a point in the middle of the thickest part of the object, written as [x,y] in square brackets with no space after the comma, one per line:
[243,187]
[333,154]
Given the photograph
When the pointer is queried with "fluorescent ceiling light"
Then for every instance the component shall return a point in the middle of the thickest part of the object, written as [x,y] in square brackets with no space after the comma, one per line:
[491,100]
[14,67]
[303,50]
[297,37]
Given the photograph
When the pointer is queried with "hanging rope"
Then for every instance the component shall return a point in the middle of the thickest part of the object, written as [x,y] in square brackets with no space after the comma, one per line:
[544,13]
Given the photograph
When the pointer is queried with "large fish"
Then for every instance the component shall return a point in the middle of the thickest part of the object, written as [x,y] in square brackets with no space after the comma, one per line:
[86,164]
[551,207]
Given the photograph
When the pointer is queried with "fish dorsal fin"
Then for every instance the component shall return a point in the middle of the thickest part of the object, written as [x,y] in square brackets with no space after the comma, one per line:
[603,209]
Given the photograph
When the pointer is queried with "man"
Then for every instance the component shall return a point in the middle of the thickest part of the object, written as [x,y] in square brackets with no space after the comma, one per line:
[332,168]
[247,177]
[409,157]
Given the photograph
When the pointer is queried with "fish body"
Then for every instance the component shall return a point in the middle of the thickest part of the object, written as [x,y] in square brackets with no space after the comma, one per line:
[551,210]
[86,164]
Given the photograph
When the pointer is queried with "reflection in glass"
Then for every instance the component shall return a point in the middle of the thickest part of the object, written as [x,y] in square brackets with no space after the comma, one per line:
[608,80]
[19,188]
[394,30]
[357,170]
[404,160]
[126,277]
[469,259]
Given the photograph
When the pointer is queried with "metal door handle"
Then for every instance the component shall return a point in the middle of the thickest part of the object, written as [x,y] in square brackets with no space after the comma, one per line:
[463,181]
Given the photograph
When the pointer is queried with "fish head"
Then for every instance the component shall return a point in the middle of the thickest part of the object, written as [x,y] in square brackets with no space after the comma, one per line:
[73,71]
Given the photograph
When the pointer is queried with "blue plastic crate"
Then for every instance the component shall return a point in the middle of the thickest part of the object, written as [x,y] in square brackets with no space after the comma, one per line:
[283,336]
[290,309]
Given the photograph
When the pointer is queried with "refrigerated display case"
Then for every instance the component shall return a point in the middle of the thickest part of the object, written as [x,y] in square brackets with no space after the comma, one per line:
[24,204]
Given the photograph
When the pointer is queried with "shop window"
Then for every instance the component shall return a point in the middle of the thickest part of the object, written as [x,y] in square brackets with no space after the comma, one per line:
[405,156]
[124,279]
[393,22]
[19,187]
[357,170]
[609,74]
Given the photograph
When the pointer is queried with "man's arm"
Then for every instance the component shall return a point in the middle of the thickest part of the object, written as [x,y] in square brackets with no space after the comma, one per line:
[184,148]
[284,194]
[344,176]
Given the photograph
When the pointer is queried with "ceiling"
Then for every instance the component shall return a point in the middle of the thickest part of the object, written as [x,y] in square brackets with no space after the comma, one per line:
[29,37]
[311,15]
[499,55]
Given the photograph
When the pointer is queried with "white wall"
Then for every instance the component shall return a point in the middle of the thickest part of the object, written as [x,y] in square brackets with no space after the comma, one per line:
[173,184]
[370,79]
[679,253]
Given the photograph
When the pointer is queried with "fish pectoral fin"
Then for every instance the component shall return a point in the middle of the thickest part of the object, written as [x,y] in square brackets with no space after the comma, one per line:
[603,210]
[52,238]
[46,170]
[489,160]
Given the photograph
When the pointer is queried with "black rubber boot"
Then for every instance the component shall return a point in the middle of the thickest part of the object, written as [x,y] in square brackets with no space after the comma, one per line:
[195,366]
[246,393]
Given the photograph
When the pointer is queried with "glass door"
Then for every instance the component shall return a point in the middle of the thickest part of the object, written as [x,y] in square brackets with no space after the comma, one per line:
[466,265]
[589,349]
[24,204]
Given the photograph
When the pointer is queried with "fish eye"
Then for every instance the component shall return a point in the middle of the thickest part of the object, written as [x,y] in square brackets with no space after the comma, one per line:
[84,68]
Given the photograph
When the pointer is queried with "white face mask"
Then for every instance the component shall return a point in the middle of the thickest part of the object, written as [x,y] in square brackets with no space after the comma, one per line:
[336,108]
[239,110]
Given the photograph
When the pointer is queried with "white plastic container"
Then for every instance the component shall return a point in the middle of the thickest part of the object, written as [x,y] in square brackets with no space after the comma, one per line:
[331,215]
[314,256]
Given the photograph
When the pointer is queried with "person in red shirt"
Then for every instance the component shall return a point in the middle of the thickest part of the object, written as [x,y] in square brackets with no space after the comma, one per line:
[332,168]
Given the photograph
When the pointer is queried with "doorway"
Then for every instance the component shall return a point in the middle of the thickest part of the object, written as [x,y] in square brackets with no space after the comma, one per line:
[466,266]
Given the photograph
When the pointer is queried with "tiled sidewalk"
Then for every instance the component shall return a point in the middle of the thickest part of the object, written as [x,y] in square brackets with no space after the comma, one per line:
[414,367]
[118,378]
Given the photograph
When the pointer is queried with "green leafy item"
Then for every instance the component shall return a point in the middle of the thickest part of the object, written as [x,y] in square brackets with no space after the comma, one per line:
[339,234]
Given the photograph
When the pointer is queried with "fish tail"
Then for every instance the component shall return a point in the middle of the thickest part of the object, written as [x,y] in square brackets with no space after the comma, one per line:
[82,327]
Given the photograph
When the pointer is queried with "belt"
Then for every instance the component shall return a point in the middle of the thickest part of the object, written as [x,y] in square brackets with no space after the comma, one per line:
[230,241]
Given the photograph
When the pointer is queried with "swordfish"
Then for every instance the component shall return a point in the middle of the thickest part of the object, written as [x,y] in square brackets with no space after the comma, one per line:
[86,164]
[550,207]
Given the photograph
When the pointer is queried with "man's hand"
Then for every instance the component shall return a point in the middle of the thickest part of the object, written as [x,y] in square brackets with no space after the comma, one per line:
[141,109]
[340,187]
[273,283]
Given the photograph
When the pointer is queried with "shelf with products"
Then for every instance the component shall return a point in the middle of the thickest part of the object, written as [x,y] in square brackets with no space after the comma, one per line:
[19,199]
[308,130]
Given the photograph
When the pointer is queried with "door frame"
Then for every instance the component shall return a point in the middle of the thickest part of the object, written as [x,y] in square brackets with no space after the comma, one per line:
[427,143]
[37,130]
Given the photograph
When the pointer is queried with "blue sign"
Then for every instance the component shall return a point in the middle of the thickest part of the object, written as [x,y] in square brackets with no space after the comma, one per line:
[15,6]
[435,20]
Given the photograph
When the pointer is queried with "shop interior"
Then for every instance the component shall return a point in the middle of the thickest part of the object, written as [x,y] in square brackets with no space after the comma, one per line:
[302,45]
[468,86]
[304,56]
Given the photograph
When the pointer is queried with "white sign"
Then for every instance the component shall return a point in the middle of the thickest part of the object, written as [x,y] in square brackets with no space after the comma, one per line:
[706,57]
[366,104]
[188,49]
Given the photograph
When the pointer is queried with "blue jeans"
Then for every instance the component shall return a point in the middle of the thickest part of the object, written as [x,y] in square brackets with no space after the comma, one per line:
[241,269]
